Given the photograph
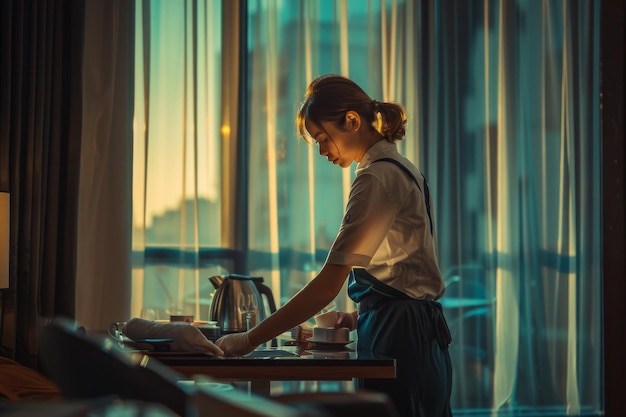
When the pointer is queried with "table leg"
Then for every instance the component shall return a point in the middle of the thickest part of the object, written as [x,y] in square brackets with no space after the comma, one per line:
[260,387]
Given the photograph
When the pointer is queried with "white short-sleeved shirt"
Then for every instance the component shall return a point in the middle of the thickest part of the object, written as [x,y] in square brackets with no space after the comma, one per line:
[386,229]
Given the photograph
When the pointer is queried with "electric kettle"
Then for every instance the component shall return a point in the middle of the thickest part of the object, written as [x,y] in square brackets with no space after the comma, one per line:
[225,307]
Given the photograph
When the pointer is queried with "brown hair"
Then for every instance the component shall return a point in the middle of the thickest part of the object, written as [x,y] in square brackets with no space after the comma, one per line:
[329,97]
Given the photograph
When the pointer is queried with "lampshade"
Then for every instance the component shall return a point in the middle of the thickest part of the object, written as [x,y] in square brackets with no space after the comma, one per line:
[5,219]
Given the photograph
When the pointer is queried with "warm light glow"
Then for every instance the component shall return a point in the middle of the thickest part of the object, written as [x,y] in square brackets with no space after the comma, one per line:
[225,130]
[5,231]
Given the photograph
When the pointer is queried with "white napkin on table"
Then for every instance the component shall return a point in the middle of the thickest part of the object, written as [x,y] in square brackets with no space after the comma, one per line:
[186,338]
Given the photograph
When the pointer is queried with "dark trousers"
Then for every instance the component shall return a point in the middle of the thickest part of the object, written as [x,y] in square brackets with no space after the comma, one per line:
[407,331]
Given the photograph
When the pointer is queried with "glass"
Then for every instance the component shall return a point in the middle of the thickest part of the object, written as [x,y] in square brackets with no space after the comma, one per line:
[148,313]
[174,309]
[248,306]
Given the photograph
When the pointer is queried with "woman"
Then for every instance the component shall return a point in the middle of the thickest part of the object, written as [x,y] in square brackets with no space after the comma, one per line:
[386,247]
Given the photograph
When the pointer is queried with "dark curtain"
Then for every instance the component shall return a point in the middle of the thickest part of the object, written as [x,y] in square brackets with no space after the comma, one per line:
[614,209]
[41,113]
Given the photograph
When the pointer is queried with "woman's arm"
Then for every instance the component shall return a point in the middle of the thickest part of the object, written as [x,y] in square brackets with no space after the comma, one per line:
[314,296]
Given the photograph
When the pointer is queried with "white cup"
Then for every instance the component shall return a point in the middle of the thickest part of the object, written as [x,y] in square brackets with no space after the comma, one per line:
[327,319]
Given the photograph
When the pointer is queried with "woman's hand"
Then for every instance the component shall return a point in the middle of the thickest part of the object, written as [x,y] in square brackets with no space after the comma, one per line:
[235,344]
[348,320]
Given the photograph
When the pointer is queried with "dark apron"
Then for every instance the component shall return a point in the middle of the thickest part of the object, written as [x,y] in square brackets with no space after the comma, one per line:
[415,333]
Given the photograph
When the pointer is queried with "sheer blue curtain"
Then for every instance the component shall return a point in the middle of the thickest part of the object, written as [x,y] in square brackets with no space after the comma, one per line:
[503,104]
[179,140]
[512,133]
[504,121]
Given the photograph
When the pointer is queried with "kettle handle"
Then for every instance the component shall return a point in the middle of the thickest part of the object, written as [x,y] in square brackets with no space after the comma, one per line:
[267,291]
[264,289]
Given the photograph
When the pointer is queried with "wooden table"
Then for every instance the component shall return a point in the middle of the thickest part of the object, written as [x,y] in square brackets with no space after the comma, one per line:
[285,363]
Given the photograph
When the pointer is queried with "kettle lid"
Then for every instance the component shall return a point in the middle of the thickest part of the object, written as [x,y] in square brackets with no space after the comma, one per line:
[220,278]
[238,276]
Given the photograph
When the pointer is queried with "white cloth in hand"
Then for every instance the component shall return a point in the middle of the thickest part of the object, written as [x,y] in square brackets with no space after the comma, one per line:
[186,338]
[235,344]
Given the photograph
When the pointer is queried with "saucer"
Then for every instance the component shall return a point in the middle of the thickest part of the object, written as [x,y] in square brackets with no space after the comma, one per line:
[329,343]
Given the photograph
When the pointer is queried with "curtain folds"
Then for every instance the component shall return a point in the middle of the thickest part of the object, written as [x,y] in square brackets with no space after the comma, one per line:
[41,123]
[504,121]
[187,183]
[105,190]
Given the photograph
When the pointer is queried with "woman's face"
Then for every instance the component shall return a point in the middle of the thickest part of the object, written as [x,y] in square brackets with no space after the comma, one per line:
[339,146]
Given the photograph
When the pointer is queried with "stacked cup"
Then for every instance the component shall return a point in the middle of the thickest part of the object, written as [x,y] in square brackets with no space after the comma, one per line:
[325,332]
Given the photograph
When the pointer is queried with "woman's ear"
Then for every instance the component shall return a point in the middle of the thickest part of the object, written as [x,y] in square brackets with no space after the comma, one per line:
[353,120]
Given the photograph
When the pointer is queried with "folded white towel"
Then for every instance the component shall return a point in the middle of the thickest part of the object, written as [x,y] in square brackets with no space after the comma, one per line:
[186,338]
